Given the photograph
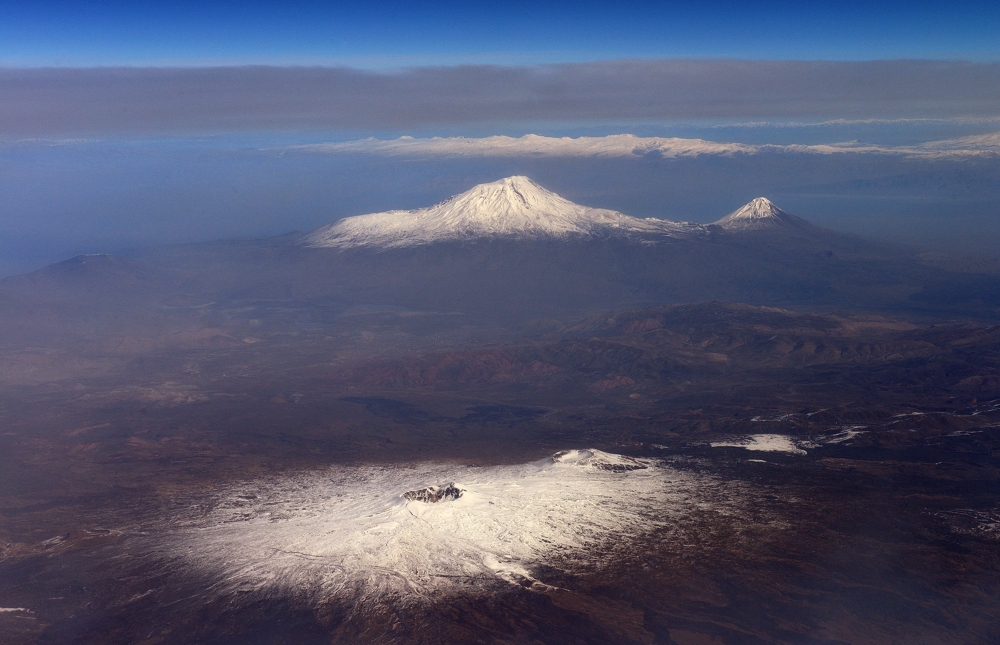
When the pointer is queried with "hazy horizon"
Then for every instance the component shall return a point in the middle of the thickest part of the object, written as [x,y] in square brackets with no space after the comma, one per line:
[109,195]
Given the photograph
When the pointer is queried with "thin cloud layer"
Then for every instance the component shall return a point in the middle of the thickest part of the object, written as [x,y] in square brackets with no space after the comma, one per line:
[630,146]
[102,101]
[533,145]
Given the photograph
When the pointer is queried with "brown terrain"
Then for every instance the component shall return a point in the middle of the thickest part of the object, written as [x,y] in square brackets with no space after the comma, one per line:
[883,527]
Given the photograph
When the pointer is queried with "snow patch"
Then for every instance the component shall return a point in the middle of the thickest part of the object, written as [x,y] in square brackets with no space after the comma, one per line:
[763,442]
[845,434]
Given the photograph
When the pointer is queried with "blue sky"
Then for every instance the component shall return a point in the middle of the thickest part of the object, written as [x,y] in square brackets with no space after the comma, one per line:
[402,34]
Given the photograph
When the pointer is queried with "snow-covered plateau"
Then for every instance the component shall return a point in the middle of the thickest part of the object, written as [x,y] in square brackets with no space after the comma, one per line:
[350,533]
[517,208]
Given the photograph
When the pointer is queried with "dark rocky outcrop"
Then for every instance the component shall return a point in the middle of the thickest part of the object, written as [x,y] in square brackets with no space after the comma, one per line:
[433,494]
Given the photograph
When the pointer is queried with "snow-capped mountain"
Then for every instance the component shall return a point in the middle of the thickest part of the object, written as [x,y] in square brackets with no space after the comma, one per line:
[545,257]
[349,534]
[760,213]
[514,207]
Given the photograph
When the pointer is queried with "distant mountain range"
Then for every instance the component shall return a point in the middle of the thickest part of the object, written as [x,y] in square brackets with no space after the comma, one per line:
[502,252]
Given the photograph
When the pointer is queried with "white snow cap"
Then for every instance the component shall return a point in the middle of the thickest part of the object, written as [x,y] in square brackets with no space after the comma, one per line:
[351,534]
[514,207]
[758,213]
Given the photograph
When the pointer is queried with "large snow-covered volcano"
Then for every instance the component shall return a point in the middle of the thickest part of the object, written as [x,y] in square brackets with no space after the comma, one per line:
[514,207]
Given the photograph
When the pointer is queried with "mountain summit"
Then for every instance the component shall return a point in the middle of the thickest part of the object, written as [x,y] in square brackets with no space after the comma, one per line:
[760,213]
[514,207]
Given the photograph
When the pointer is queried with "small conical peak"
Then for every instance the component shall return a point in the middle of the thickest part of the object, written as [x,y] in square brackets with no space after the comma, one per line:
[758,213]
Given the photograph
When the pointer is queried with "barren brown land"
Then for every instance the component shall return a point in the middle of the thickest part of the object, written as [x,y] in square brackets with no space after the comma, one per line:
[849,472]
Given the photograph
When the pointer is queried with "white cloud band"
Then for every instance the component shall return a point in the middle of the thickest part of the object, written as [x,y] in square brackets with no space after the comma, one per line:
[631,146]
